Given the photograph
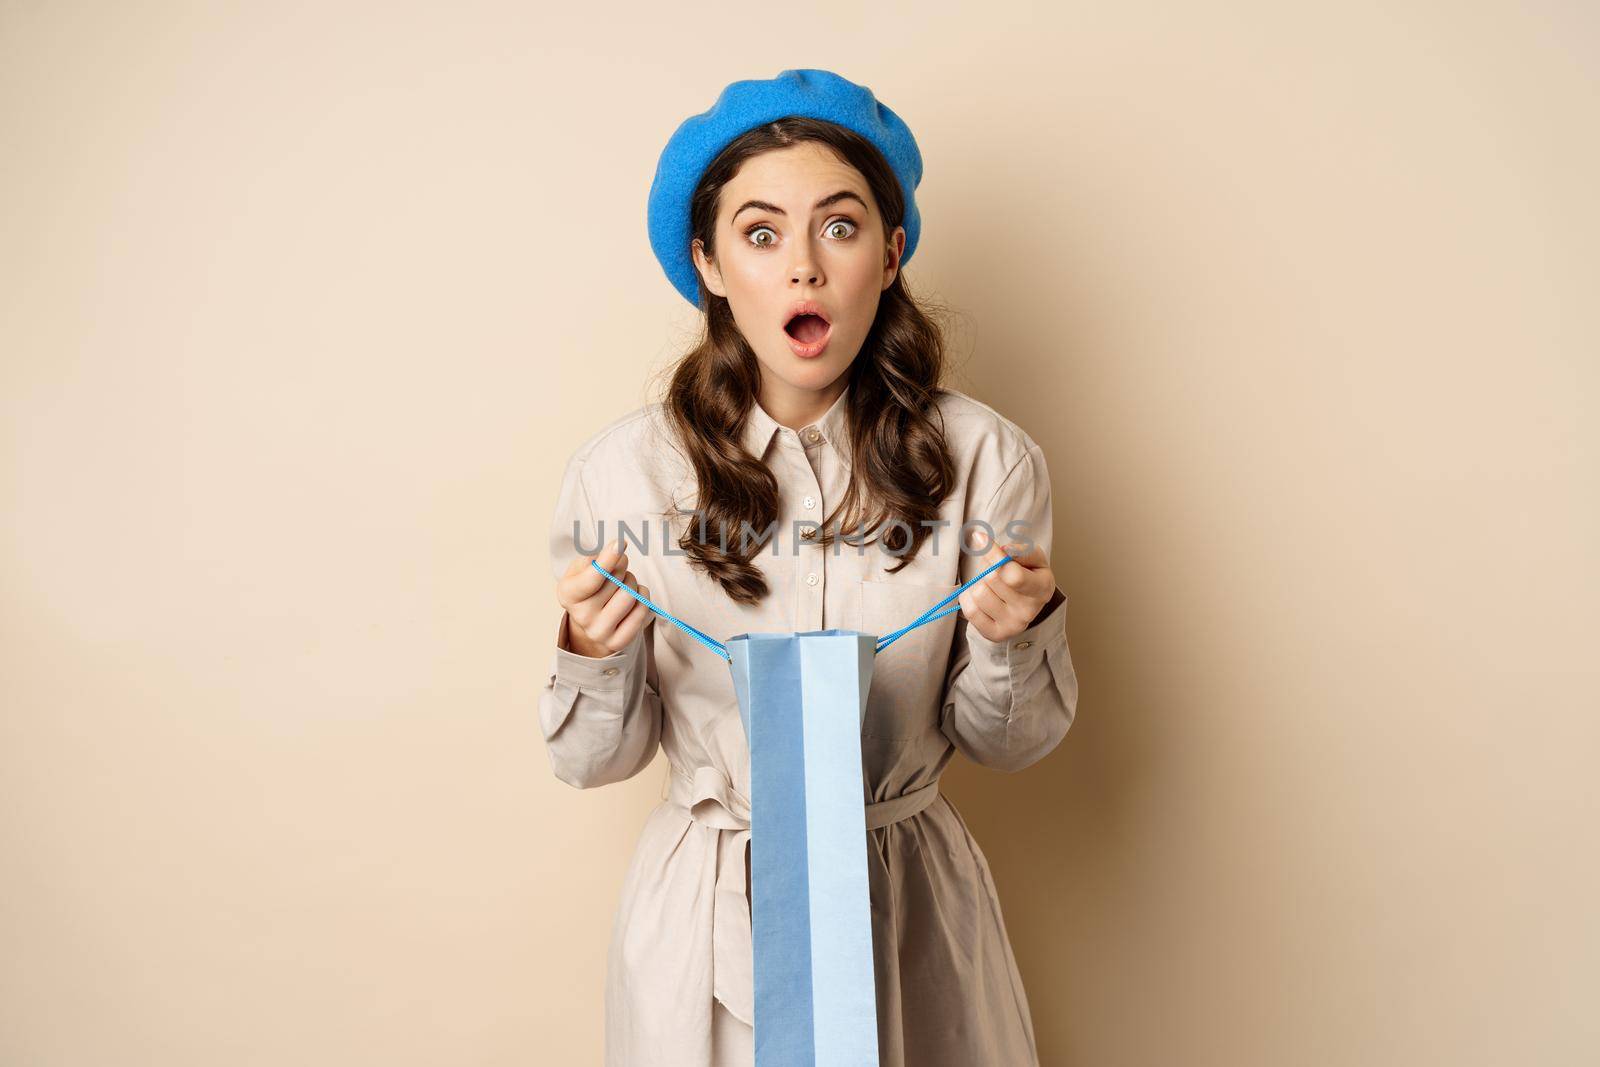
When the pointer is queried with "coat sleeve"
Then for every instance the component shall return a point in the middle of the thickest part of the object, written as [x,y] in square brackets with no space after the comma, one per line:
[601,715]
[1007,704]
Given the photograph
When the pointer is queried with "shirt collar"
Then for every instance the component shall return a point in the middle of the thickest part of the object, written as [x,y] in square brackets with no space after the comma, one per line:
[834,427]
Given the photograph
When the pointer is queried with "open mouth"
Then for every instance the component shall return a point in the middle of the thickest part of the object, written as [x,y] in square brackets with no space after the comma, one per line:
[806,328]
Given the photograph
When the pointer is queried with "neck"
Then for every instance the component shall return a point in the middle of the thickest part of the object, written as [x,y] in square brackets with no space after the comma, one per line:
[795,408]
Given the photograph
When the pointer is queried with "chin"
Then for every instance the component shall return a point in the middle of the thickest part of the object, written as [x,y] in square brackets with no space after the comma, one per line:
[814,376]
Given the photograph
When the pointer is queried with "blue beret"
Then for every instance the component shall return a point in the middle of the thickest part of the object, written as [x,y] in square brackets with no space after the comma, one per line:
[744,105]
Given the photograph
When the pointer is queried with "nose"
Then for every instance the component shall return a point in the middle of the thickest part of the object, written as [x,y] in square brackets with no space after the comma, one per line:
[805,268]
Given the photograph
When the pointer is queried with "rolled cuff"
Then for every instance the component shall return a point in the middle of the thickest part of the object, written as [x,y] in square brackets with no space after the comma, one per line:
[595,673]
[1004,663]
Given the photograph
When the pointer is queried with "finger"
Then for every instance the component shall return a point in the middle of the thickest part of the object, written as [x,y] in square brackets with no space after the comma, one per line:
[984,548]
[1012,609]
[607,556]
[587,610]
[1006,582]
[1023,574]
[995,600]
[584,581]
[616,608]
[990,556]
[630,626]
[1027,574]
[1023,555]
[982,543]
[1027,553]
[976,617]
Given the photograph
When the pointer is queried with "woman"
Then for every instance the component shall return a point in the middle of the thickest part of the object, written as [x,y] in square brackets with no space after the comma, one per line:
[810,410]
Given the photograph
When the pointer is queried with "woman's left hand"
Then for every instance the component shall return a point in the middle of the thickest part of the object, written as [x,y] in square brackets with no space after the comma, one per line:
[1010,598]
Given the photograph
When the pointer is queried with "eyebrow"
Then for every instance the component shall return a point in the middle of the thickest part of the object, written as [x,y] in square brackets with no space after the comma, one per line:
[762,205]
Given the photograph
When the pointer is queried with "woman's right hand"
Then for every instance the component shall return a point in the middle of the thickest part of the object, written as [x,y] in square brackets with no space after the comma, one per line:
[604,619]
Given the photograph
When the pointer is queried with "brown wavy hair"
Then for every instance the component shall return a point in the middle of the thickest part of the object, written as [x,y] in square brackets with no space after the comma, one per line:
[901,468]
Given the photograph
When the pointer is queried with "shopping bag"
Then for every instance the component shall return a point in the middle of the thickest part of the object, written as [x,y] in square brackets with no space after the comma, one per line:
[803,699]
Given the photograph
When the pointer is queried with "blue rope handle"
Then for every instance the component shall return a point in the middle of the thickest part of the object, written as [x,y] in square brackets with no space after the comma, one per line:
[933,614]
[929,616]
[710,642]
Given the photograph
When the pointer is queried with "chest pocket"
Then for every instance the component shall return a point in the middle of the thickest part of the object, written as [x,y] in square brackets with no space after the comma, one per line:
[908,676]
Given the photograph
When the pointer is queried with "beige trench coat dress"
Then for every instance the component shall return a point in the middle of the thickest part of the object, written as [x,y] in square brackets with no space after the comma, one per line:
[679,973]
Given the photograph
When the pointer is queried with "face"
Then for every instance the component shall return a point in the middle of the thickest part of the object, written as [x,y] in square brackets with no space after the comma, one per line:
[798,224]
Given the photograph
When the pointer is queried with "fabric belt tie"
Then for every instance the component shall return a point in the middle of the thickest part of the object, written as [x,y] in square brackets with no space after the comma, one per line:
[708,798]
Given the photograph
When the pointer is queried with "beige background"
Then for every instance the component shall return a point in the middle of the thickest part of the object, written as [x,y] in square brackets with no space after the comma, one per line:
[303,306]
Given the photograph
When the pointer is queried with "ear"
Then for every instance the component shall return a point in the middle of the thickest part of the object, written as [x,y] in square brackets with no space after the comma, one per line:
[708,270]
[891,257]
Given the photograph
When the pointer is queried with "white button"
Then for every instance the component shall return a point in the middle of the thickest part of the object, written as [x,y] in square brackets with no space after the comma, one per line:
[811,502]
[811,579]
[1024,644]
[609,671]
[813,436]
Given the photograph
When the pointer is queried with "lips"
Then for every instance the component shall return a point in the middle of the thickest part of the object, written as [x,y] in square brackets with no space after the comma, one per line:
[807,315]
[808,328]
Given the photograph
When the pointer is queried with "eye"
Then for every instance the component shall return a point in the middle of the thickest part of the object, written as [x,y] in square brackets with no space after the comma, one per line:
[831,229]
